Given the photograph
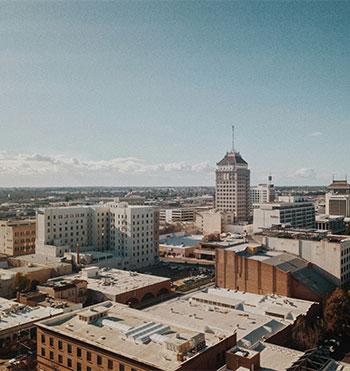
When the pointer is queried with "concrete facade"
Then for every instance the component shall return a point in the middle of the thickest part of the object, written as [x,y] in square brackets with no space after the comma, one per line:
[330,254]
[332,223]
[262,193]
[297,214]
[72,225]
[183,214]
[211,221]
[131,232]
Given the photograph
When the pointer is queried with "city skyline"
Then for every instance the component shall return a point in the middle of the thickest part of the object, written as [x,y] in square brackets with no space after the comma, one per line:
[135,94]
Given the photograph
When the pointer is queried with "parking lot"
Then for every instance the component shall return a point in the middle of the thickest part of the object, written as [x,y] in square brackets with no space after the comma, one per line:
[182,273]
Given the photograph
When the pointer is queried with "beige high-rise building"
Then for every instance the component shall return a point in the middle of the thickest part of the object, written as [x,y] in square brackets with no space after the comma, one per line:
[130,231]
[134,234]
[233,185]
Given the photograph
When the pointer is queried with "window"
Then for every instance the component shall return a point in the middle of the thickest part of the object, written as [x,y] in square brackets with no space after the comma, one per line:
[51,355]
[69,348]
[60,358]
[51,342]
[60,345]
[43,338]
[121,367]
[78,366]
[43,352]
[88,368]
[88,356]
[78,352]
[110,364]
[69,362]
[99,360]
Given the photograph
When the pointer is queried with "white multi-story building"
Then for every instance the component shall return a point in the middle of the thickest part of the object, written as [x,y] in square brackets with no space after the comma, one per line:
[297,214]
[233,186]
[182,214]
[131,232]
[72,225]
[262,193]
[134,233]
[330,253]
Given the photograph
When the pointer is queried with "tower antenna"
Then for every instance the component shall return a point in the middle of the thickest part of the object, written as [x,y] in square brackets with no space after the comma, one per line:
[233,139]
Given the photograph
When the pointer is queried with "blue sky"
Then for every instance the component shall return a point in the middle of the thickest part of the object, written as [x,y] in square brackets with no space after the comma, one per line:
[145,93]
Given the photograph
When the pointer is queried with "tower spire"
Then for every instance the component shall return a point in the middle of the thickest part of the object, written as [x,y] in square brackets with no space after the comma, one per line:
[233,139]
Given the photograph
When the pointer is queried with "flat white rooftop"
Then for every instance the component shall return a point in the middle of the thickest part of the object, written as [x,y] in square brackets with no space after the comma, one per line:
[253,302]
[42,260]
[116,281]
[131,333]
[13,314]
[181,241]
[253,317]
[239,246]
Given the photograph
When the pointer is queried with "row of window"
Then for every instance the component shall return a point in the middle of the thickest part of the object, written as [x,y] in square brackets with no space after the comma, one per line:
[24,240]
[78,365]
[17,234]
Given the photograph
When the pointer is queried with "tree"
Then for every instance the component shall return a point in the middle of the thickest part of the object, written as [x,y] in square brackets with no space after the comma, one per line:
[337,313]
[20,283]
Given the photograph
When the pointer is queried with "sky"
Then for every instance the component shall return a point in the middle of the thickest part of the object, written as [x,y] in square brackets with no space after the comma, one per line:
[144,93]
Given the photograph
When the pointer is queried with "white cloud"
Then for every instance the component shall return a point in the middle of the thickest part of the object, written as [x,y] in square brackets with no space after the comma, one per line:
[305,172]
[41,166]
[316,134]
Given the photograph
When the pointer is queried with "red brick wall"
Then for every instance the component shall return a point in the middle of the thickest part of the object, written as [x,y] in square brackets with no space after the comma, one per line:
[237,272]
[213,358]
[234,362]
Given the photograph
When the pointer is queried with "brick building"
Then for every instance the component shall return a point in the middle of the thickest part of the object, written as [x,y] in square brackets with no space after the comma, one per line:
[17,237]
[18,325]
[74,290]
[118,285]
[261,271]
[111,336]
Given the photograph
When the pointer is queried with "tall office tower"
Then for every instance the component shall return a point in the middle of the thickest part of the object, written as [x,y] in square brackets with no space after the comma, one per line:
[233,185]
[338,198]
[134,234]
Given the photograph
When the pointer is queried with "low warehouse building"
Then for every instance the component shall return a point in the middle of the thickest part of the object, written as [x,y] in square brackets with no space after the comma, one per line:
[120,286]
[260,271]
